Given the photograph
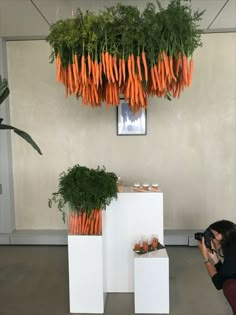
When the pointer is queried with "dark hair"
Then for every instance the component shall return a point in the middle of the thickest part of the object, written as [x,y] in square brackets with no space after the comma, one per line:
[226,228]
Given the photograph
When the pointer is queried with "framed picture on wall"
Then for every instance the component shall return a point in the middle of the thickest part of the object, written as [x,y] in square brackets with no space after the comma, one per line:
[129,123]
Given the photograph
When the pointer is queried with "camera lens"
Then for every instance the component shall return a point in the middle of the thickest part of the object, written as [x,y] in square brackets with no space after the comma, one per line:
[208,236]
[198,236]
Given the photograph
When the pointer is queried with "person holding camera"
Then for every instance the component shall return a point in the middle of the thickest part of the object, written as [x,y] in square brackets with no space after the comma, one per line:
[219,240]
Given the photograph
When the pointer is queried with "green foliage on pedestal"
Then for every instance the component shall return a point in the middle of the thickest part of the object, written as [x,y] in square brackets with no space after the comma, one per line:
[85,189]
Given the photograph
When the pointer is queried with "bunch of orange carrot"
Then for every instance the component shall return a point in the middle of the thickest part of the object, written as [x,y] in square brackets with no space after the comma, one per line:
[83,224]
[103,80]
[170,74]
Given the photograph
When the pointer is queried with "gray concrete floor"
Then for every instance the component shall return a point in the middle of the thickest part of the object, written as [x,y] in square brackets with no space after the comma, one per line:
[34,281]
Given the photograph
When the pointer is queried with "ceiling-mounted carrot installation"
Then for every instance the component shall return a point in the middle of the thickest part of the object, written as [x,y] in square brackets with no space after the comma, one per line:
[124,51]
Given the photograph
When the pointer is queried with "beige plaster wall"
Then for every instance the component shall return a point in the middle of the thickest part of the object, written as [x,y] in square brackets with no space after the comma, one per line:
[189,148]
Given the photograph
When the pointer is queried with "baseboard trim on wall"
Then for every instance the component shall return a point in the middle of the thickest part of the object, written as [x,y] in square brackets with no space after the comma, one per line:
[4,239]
[180,237]
[39,237]
[59,237]
[35,237]
[192,241]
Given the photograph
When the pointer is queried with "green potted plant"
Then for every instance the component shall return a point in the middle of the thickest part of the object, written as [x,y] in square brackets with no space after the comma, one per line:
[4,93]
[86,191]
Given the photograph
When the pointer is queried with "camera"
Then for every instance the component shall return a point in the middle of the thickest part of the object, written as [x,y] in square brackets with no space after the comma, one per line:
[208,236]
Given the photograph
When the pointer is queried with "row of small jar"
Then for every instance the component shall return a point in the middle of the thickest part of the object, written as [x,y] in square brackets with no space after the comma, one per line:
[145,241]
[146,186]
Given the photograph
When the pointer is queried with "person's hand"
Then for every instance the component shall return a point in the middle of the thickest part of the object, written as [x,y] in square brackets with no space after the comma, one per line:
[203,249]
[206,252]
[216,244]
[212,253]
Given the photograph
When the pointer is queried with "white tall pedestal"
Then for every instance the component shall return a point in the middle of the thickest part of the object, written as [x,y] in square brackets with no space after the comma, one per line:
[85,254]
[151,282]
[126,220]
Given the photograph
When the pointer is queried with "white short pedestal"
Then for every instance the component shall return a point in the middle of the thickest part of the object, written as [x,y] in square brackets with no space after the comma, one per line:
[151,282]
[85,254]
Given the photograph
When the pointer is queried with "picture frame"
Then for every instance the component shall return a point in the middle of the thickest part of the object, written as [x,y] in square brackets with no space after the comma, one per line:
[129,123]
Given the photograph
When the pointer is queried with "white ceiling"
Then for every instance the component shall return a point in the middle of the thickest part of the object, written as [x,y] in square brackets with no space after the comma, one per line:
[32,18]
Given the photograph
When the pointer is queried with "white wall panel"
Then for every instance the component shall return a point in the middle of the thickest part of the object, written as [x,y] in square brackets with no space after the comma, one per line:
[189,148]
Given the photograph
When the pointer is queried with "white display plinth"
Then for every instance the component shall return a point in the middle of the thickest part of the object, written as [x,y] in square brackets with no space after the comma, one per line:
[131,216]
[86,274]
[151,282]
